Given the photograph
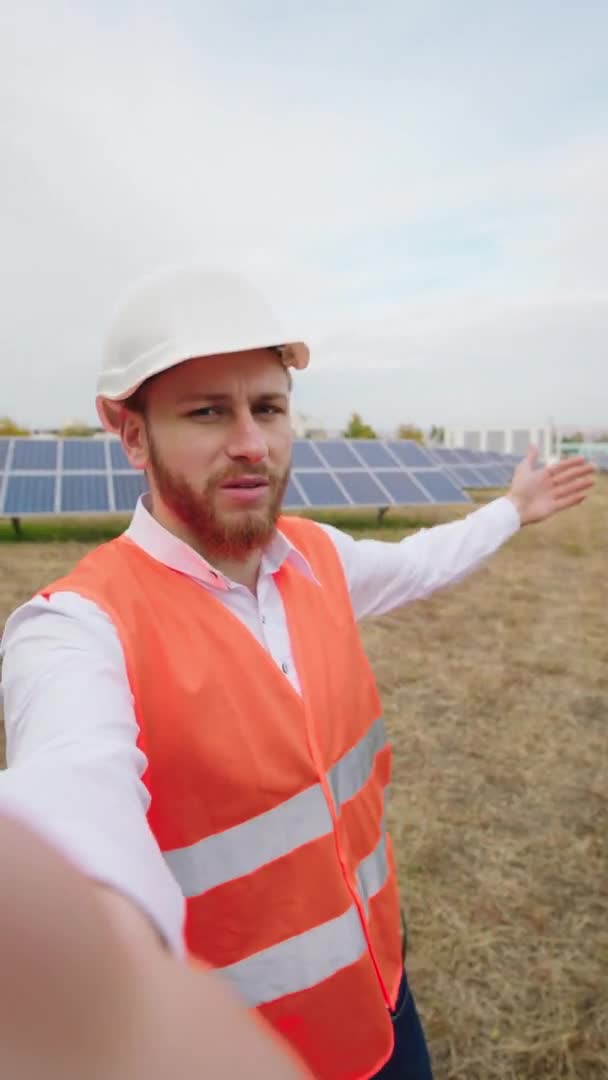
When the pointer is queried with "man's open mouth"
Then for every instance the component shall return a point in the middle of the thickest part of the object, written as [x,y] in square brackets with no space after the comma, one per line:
[247,482]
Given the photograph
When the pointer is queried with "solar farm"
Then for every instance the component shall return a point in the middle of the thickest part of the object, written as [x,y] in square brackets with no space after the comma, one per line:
[92,476]
[496,696]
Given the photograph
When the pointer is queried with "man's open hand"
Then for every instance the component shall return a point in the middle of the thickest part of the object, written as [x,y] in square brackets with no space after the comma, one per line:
[539,493]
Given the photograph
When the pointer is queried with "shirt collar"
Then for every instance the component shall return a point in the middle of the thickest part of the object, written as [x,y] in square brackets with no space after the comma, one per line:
[160,544]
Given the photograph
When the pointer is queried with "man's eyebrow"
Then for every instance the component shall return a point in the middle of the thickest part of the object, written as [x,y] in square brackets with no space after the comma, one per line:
[262,395]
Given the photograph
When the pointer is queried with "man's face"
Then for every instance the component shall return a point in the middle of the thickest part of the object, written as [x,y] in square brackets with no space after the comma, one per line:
[215,439]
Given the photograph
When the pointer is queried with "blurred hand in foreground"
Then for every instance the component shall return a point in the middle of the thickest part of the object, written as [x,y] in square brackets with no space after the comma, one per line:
[76,1002]
[537,494]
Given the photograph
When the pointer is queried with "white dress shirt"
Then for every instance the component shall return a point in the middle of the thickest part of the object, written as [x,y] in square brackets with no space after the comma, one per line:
[74,769]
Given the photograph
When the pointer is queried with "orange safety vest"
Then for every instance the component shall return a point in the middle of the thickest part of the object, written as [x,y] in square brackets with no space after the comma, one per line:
[268,807]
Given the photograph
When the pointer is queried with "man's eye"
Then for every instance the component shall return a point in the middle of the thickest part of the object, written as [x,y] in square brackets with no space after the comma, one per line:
[271,409]
[206,410]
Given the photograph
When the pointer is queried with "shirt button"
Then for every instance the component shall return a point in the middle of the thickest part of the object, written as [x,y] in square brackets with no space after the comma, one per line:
[284,668]
[263,618]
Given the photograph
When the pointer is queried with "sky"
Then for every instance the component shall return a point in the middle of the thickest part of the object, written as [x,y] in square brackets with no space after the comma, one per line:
[419,186]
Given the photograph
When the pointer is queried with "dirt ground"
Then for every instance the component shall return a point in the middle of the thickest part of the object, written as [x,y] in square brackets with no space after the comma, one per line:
[496,695]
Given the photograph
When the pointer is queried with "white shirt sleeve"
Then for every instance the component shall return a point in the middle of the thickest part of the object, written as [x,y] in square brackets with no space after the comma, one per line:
[383,575]
[74,769]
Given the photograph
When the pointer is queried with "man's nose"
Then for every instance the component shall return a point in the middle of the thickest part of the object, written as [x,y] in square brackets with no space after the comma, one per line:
[247,441]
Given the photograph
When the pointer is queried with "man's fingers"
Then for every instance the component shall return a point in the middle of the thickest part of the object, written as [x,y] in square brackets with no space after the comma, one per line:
[573,491]
[571,467]
[584,472]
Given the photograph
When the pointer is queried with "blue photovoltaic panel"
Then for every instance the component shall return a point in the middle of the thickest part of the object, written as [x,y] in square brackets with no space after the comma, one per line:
[3,452]
[30,495]
[117,456]
[440,487]
[493,475]
[470,457]
[338,454]
[507,473]
[466,476]
[444,456]
[362,488]
[292,497]
[83,454]
[374,454]
[303,455]
[410,453]
[127,489]
[404,490]
[321,489]
[34,454]
[84,493]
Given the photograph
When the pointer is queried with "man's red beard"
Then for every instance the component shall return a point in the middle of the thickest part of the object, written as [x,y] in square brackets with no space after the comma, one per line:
[229,535]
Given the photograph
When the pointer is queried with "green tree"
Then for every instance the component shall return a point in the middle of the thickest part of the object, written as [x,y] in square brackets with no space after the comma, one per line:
[9,427]
[410,431]
[437,434]
[76,428]
[358,429]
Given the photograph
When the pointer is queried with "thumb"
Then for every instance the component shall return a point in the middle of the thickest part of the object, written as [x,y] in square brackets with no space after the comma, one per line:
[532,456]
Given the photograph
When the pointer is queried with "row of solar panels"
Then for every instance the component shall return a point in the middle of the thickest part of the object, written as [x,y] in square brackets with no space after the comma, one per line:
[68,476]
[90,455]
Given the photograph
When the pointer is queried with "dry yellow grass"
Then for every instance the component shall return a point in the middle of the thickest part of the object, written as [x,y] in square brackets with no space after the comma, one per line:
[496,695]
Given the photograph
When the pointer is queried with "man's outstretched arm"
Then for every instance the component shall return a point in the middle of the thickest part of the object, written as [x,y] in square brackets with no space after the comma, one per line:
[383,576]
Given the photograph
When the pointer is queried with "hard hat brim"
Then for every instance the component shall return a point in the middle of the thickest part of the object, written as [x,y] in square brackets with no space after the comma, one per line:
[111,394]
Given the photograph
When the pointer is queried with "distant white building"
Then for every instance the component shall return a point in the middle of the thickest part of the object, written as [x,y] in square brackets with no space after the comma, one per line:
[504,440]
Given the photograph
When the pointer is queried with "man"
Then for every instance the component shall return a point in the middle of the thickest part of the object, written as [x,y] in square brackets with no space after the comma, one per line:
[190,713]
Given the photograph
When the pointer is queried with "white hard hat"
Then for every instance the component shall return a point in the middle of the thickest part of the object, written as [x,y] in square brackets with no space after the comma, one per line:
[177,315]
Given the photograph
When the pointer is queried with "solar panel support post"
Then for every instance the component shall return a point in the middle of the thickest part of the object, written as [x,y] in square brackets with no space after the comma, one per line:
[381,512]
[16,523]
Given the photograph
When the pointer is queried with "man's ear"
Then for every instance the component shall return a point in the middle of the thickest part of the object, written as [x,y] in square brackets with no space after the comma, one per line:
[134,438]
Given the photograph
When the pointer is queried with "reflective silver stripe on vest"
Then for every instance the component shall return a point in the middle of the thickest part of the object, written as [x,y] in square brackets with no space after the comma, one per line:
[350,773]
[299,962]
[305,817]
[372,872]
[244,848]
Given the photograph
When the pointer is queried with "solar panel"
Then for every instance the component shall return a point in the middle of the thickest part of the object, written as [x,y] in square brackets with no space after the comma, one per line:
[492,475]
[439,486]
[362,488]
[321,489]
[327,473]
[374,453]
[470,457]
[30,495]
[84,493]
[338,454]
[117,456]
[410,453]
[33,454]
[303,455]
[443,456]
[404,490]
[127,489]
[83,454]
[292,498]
[466,476]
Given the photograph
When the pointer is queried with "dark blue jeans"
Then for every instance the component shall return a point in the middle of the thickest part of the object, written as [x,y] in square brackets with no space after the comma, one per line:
[410,1058]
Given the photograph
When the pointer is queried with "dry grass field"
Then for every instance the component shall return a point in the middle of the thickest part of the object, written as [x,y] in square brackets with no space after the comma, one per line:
[496,695]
